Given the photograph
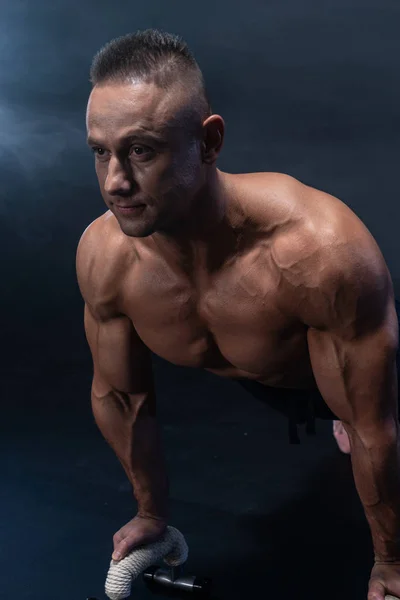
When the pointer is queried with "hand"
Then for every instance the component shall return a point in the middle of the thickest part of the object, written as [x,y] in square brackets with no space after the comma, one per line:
[139,531]
[385,579]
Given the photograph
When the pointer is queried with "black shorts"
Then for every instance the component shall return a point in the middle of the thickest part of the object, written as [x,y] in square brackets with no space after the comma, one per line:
[300,406]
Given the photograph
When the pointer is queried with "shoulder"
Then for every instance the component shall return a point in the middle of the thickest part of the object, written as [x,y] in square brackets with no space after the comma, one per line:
[311,228]
[265,195]
[279,202]
[102,259]
[333,268]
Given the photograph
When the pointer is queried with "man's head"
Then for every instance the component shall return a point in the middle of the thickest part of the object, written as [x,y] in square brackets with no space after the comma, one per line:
[152,131]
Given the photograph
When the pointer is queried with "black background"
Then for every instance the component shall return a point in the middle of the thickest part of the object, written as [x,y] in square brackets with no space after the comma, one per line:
[309,88]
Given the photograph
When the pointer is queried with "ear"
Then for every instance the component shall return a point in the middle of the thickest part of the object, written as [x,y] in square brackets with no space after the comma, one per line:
[213,138]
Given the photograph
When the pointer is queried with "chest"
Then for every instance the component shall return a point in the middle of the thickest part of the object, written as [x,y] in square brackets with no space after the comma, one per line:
[231,317]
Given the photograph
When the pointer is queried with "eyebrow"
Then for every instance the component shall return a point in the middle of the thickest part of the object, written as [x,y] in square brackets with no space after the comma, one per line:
[137,134]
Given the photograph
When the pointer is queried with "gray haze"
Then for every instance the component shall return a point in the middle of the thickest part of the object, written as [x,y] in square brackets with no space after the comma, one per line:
[306,88]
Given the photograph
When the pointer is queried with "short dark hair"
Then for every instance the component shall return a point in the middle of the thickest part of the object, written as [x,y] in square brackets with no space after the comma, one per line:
[152,56]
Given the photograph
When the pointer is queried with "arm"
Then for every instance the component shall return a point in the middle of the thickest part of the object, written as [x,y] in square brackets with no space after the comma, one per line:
[357,378]
[123,399]
[124,408]
[352,340]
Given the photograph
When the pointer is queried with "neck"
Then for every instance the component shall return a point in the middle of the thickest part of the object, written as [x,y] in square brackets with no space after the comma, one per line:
[207,213]
[203,242]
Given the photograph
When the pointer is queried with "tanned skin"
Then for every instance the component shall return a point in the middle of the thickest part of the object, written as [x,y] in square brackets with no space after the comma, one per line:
[251,275]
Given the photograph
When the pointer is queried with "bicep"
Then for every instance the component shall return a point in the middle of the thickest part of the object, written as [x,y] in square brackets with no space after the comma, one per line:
[357,376]
[121,361]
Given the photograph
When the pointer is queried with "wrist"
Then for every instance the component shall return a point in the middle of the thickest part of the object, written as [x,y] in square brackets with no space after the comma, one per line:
[387,561]
[386,547]
[142,514]
[388,555]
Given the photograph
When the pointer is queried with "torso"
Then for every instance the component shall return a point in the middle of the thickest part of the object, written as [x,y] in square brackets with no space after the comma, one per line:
[232,326]
[234,320]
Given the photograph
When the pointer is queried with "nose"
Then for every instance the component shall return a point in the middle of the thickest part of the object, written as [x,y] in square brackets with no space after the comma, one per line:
[119,180]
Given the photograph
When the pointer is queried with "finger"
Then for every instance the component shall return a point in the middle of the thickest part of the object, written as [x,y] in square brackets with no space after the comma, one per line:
[127,545]
[120,550]
[376,591]
[117,539]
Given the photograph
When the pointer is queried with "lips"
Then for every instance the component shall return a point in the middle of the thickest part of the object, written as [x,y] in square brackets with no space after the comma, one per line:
[132,209]
[129,206]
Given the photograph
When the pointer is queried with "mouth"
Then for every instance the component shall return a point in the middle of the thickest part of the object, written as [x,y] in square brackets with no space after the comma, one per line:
[133,209]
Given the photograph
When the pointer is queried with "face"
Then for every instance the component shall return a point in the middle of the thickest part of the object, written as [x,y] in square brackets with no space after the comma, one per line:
[148,167]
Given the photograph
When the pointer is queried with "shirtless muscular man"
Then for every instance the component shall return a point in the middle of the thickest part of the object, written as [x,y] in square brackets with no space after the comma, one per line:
[255,277]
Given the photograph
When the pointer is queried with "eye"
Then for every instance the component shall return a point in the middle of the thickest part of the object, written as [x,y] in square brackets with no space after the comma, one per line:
[141,150]
[98,151]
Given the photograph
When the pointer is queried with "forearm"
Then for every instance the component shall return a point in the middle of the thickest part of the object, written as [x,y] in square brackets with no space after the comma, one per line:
[130,427]
[376,467]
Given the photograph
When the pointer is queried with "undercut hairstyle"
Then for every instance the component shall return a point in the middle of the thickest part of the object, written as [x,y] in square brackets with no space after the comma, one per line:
[153,56]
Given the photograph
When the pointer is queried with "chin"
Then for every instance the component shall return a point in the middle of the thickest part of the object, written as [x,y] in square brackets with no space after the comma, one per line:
[139,230]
